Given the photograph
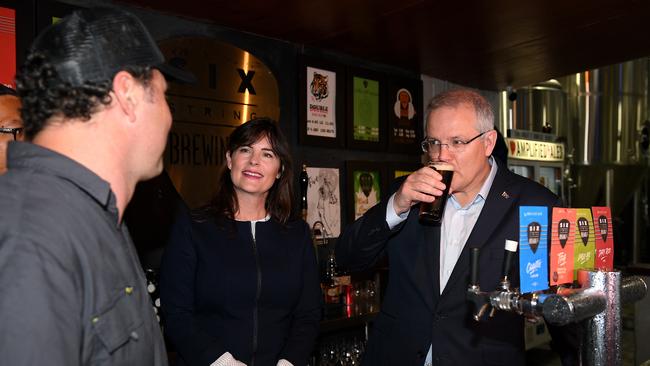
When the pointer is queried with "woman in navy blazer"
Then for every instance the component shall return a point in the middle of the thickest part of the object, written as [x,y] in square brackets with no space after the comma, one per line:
[239,281]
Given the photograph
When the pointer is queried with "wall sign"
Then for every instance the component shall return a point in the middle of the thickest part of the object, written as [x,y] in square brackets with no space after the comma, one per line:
[535,150]
[8,46]
[320,95]
[233,87]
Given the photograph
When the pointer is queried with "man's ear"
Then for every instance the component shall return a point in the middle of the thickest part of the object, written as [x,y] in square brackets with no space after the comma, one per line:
[128,92]
[490,140]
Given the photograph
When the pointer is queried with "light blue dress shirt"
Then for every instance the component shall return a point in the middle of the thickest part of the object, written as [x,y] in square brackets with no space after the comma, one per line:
[457,224]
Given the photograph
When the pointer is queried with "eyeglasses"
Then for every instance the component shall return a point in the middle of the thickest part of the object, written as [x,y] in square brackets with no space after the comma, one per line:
[433,146]
[15,131]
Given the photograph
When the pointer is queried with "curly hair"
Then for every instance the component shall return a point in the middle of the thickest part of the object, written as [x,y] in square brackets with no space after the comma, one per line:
[44,95]
[279,202]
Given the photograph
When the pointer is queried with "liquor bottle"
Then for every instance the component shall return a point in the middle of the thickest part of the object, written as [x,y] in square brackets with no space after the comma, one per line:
[304,183]
[330,284]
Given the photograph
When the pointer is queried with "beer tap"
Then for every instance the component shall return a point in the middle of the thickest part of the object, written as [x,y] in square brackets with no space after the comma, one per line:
[595,305]
[474,294]
[503,298]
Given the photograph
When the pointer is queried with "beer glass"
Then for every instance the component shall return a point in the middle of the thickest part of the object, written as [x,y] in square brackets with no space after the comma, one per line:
[431,213]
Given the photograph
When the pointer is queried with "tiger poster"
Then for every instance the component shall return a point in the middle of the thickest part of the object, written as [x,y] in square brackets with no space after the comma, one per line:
[321,102]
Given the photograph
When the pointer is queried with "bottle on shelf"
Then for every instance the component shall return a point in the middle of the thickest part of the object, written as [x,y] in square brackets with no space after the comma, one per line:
[331,288]
[304,183]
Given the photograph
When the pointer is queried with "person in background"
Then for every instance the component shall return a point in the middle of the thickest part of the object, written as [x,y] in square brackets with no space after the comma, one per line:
[11,125]
[239,280]
[93,106]
[500,151]
[425,318]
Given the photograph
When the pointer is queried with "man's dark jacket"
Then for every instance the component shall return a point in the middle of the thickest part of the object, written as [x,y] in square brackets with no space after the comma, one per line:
[414,314]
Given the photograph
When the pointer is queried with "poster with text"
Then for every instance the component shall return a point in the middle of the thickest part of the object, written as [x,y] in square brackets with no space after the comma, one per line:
[404,102]
[324,201]
[367,191]
[8,46]
[365,109]
[562,239]
[321,102]
[604,238]
[533,244]
[585,244]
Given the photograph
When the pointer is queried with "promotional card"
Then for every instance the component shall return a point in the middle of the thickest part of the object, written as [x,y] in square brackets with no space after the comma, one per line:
[533,254]
[584,246]
[562,239]
[604,238]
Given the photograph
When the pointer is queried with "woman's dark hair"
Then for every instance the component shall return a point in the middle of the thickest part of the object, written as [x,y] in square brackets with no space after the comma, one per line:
[43,95]
[279,202]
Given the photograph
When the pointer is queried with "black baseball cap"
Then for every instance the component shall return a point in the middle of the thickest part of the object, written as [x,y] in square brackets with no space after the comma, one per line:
[94,44]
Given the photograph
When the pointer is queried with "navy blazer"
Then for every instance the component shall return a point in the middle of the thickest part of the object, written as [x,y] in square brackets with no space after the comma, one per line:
[414,314]
[223,291]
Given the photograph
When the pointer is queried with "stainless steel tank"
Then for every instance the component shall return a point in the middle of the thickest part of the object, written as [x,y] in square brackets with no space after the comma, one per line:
[602,115]
[606,110]
[540,106]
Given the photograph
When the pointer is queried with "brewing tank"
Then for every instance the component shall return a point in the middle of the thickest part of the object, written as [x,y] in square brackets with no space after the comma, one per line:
[606,111]
[602,117]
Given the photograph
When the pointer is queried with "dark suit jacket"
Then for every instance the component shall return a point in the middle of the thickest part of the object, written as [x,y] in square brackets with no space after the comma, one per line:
[414,314]
[224,291]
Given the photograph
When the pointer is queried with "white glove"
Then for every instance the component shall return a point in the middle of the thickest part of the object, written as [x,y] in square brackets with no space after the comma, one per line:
[227,360]
[284,362]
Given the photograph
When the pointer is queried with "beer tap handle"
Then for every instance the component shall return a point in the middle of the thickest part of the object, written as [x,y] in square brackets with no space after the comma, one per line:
[473,257]
[480,314]
[480,300]
[511,249]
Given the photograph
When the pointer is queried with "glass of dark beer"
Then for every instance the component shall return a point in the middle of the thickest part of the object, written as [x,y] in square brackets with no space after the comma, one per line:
[431,213]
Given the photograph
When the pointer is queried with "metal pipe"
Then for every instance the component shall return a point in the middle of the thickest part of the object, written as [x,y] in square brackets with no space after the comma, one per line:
[601,335]
[597,307]
[580,305]
[633,288]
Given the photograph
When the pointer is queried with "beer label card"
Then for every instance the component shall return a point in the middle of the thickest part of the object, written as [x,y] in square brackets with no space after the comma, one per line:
[604,238]
[584,246]
[563,235]
[533,252]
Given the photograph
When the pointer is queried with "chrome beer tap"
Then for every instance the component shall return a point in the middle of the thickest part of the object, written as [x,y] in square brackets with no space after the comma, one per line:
[504,297]
[595,305]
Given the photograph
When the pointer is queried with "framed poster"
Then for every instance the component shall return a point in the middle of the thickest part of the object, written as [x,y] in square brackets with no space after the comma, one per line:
[321,89]
[16,34]
[8,46]
[366,183]
[324,201]
[399,169]
[405,117]
[366,122]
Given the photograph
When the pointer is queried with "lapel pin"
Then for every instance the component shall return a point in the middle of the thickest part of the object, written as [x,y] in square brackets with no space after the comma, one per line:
[505,195]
